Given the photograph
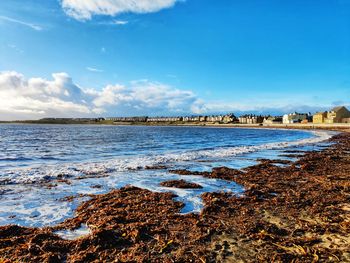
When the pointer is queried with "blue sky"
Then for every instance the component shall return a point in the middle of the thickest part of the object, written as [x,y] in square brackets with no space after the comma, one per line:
[172,57]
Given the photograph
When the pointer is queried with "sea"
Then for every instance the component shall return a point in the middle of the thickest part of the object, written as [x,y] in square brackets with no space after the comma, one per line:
[42,165]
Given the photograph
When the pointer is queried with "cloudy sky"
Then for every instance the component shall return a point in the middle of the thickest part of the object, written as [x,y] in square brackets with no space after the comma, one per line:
[62,58]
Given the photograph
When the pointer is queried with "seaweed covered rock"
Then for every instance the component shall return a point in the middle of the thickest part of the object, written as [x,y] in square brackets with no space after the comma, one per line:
[181,184]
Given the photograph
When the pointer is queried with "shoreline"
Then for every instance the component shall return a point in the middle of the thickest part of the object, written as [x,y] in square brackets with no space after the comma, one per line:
[295,212]
[308,126]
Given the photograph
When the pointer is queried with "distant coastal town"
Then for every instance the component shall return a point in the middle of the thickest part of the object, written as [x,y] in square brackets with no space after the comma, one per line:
[336,115]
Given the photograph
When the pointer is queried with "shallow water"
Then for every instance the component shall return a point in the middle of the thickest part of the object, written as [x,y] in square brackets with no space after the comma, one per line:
[31,154]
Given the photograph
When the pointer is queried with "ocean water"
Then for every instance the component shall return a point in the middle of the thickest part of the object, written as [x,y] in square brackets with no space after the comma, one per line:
[96,159]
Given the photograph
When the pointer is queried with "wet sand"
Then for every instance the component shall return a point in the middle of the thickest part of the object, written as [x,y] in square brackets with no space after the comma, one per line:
[290,212]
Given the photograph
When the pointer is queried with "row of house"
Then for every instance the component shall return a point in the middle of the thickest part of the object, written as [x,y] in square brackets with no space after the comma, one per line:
[127,119]
[164,119]
[336,115]
[228,118]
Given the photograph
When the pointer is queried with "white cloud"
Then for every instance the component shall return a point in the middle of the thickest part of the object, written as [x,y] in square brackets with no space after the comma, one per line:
[120,22]
[94,69]
[35,98]
[23,23]
[85,9]
[145,97]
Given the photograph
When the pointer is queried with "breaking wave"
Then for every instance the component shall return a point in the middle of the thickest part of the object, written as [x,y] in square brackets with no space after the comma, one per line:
[66,170]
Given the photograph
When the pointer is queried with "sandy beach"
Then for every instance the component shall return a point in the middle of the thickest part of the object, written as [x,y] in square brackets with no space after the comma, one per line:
[290,212]
[174,131]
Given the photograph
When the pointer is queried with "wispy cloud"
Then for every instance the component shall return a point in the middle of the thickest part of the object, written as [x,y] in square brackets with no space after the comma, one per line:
[113,23]
[85,9]
[94,69]
[14,47]
[120,22]
[171,76]
[23,23]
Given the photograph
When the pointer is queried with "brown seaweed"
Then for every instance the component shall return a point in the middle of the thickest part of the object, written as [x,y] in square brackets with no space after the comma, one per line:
[181,184]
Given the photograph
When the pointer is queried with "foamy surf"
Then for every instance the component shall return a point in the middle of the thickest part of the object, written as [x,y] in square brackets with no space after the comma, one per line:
[107,167]
[34,205]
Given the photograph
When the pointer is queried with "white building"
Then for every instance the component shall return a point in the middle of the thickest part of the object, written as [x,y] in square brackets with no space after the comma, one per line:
[294,117]
[272,120]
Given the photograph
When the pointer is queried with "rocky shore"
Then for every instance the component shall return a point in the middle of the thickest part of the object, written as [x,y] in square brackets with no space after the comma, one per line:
[290,212]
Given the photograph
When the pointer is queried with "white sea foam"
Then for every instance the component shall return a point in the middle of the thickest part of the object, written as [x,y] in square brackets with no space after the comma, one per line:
[82,231]
[32,205]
